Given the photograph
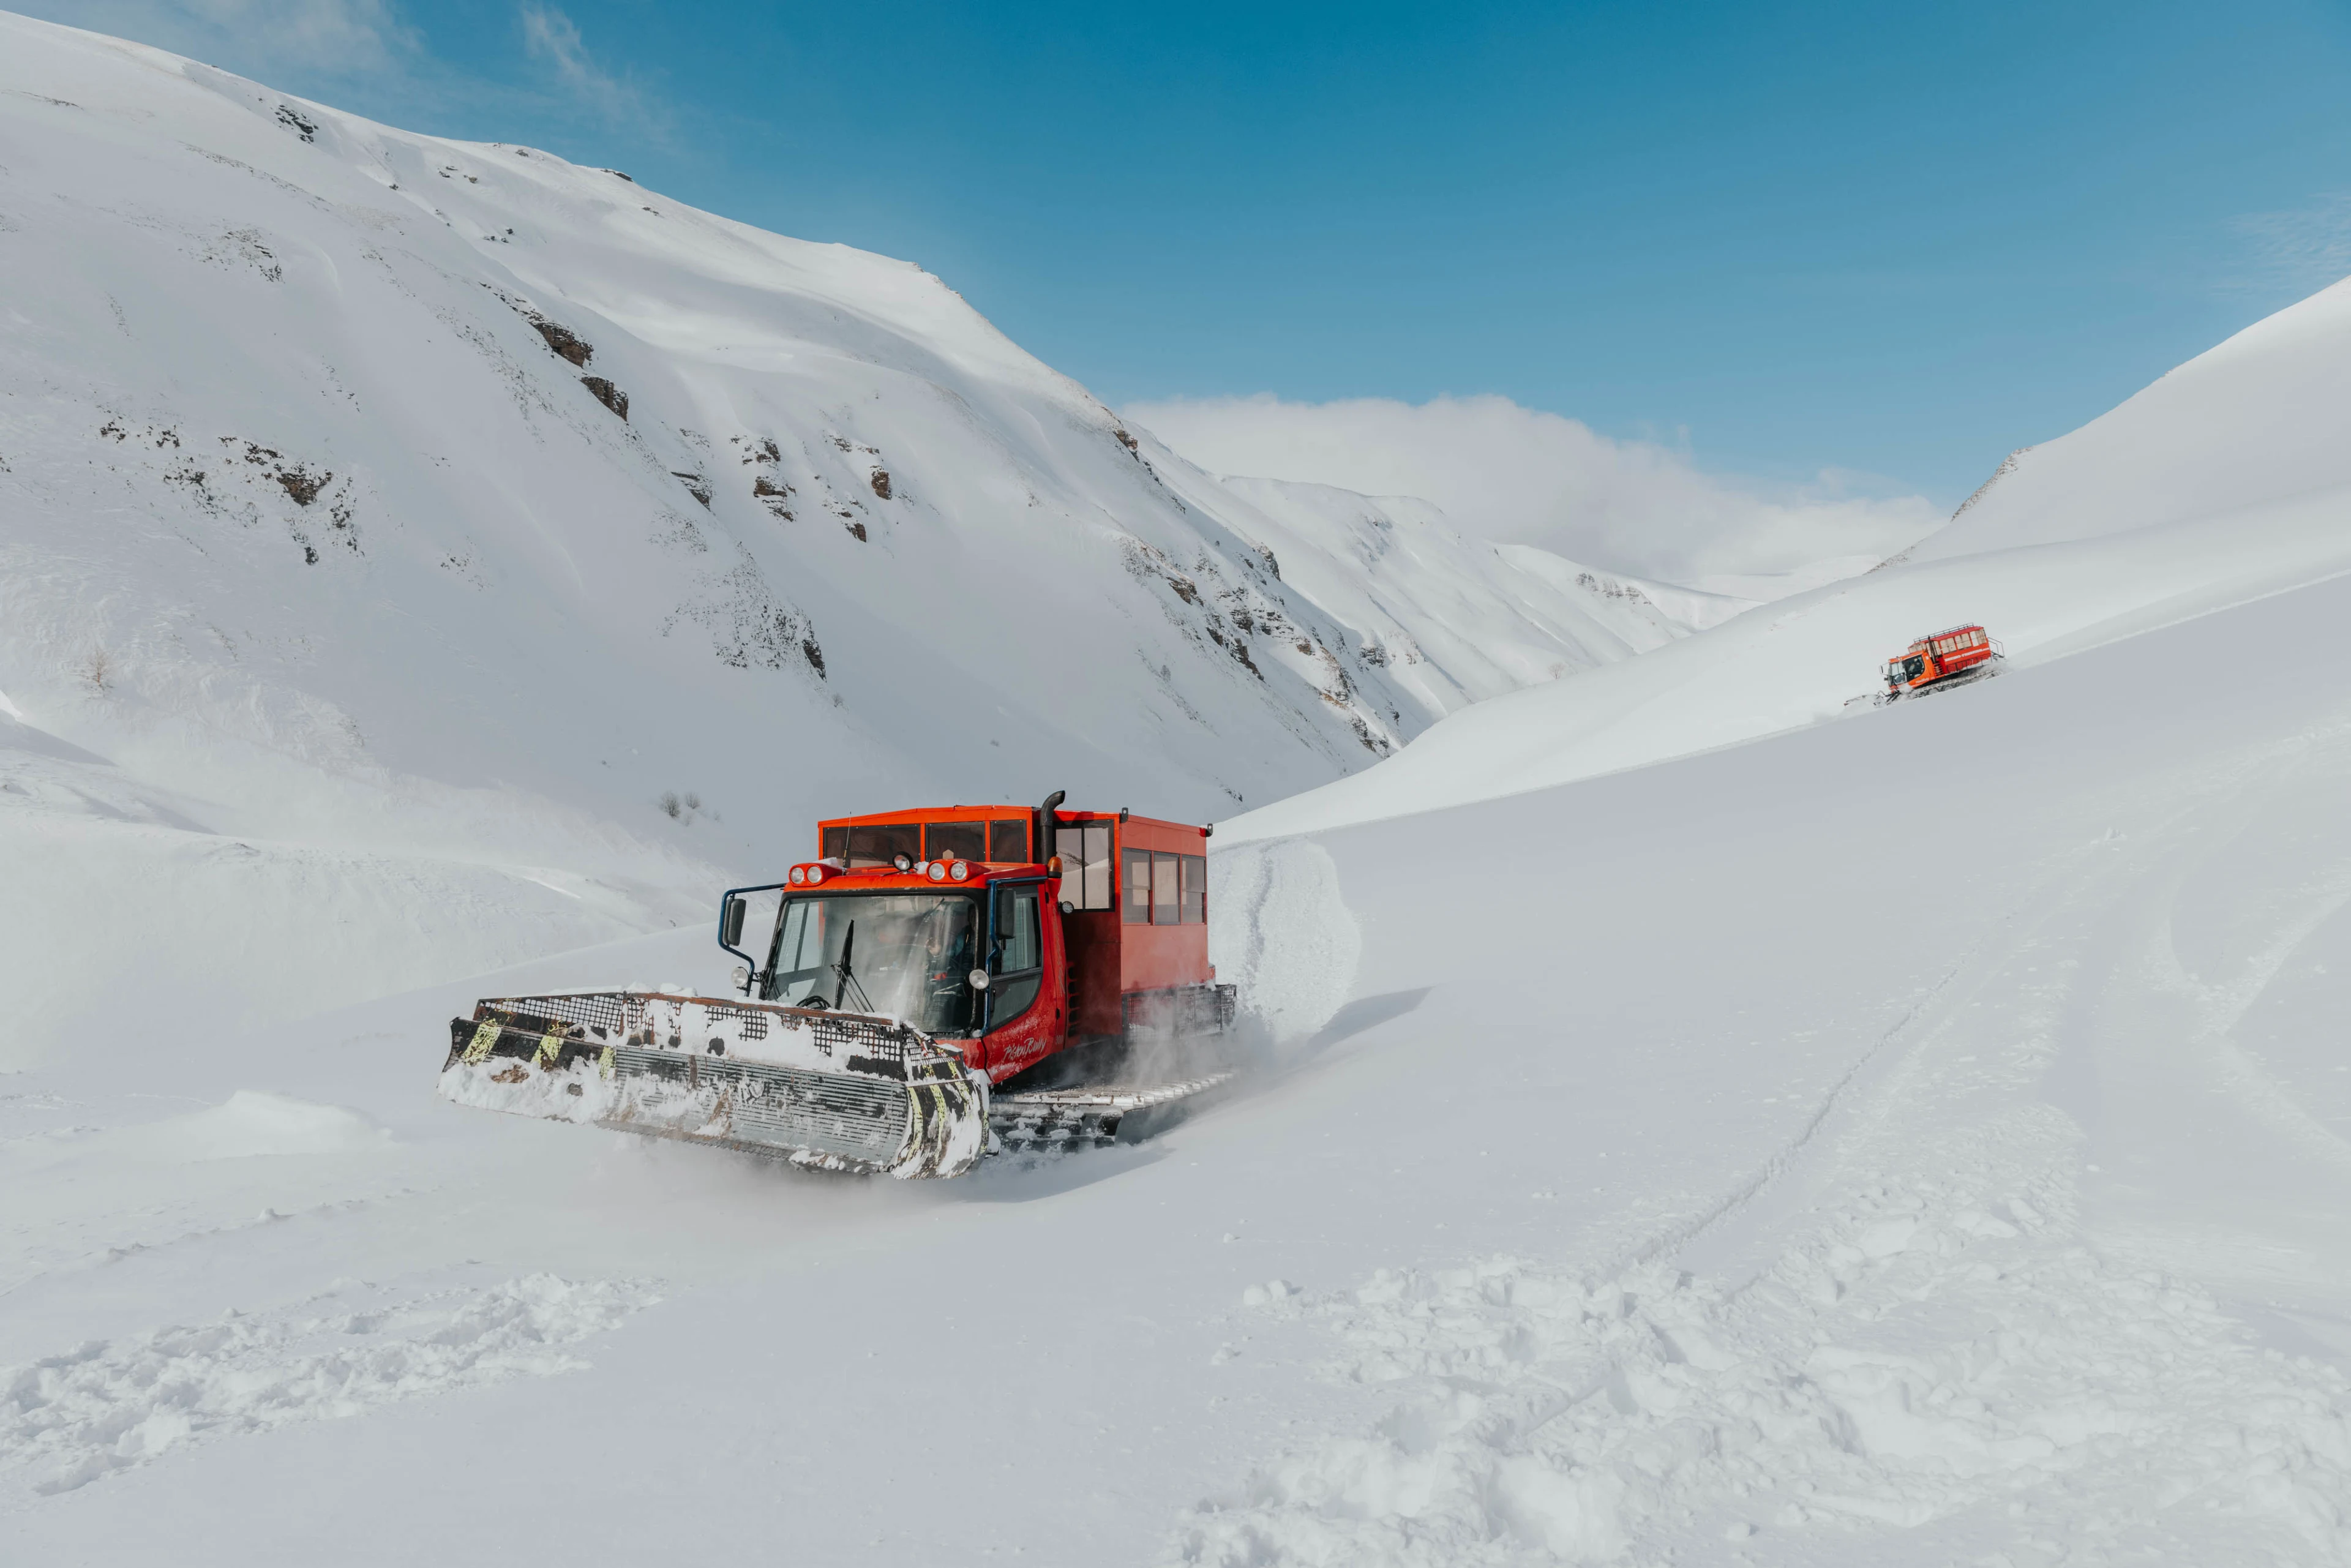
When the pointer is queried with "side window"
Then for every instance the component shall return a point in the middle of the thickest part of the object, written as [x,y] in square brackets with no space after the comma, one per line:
[836,845]
[1167,898]
[1007,841]
[955,841]
[1195,890]
[1134,877]
[1014,945]
[1085,864]
[1098,866]
[1015,953]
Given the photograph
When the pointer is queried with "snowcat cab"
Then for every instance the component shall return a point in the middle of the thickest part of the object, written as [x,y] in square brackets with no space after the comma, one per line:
[935,984]
[1941,661]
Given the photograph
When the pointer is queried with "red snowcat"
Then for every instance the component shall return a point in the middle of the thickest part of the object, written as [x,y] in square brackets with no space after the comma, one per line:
[1940,662]
[934,986]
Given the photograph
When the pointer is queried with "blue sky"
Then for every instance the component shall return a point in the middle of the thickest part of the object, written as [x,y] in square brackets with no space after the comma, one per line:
[1897,241]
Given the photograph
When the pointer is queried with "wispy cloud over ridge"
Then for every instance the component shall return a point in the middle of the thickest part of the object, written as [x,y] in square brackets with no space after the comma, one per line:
[550,38]
[1523,475]
[2302,248]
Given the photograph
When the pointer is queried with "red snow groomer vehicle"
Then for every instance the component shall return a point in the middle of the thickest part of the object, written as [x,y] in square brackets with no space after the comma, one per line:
[934,986]
[1938,663]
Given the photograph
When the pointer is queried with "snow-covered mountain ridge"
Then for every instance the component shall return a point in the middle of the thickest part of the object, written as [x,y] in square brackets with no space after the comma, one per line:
[456,513]
[2225,481]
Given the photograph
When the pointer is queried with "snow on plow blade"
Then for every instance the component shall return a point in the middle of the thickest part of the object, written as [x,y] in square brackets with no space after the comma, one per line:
[838,1091]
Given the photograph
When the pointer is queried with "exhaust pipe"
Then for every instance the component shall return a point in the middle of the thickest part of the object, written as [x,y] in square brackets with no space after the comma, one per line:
[1045,823]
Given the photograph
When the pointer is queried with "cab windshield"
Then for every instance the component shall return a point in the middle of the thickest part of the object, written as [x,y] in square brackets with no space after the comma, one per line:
[901,955]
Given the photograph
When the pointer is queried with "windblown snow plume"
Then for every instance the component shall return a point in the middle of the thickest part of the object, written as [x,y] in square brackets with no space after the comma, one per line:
[1282,936]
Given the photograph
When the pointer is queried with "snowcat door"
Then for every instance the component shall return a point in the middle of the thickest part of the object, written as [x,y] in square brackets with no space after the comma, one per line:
[1024,1008]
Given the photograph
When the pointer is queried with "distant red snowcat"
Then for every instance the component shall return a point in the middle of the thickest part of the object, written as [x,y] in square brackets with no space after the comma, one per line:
[935,986]
[1940,662]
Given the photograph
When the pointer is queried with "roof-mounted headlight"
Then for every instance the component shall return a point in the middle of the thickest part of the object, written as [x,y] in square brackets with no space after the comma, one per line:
[936,871]
[960,871]
[904,863]
[799,876]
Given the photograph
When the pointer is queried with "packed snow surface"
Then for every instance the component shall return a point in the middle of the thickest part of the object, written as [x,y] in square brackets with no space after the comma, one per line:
[1703,1161]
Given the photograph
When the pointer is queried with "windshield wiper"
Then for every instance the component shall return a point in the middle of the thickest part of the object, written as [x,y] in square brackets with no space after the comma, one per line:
[845,981]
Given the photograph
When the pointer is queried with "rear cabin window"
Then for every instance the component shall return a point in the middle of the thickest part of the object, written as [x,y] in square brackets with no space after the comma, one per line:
[1195,890]
[955,841]
[881,843]
[1007,840]
[1134,877]
[836,844]
[1085,864]
[1167,895]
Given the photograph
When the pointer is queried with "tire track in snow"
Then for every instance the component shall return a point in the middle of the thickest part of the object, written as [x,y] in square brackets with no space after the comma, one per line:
[1933,1349]
[70,1419]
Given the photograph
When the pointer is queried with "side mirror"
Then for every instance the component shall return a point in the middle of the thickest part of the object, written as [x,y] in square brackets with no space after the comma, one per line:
[730,921]
[978,978]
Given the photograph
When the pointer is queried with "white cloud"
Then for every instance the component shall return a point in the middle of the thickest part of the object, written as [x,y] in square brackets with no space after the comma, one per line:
[553,39]
[335,38]
[2302,248]
[1526,476]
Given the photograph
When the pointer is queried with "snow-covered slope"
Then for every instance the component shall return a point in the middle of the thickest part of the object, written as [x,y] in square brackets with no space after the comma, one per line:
[1685,1165]
[1454,620]
[2249,426]
[400,518]
[2225,481]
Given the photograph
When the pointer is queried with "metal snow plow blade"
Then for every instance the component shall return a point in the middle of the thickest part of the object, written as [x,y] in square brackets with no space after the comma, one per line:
[836,1090]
